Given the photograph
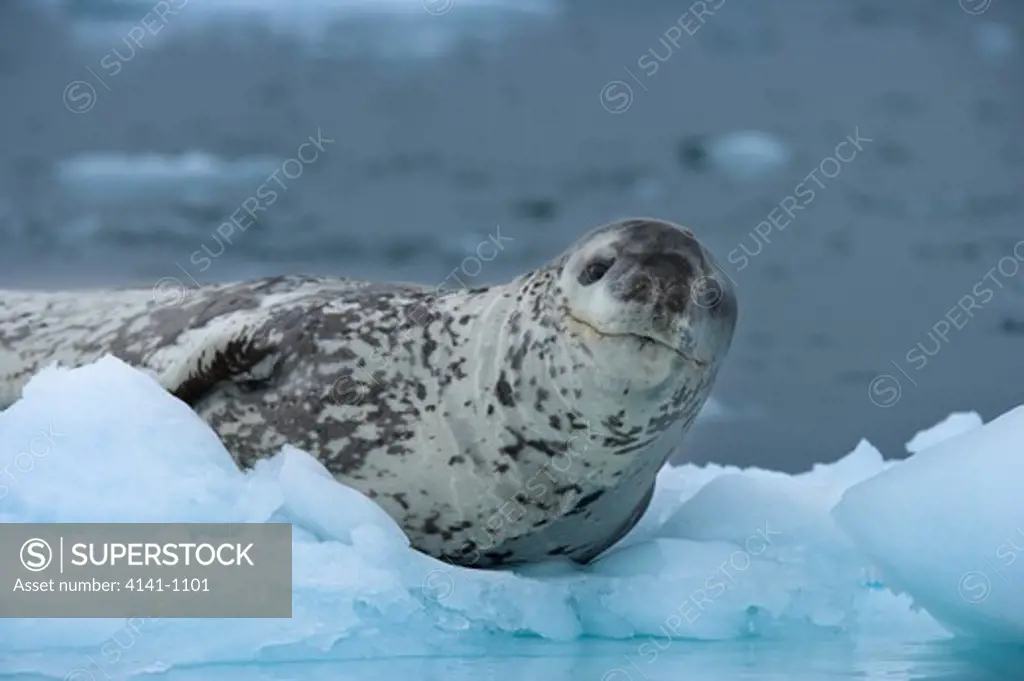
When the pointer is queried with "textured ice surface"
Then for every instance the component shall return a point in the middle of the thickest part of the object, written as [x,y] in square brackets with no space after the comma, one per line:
[722,554]
[954,531]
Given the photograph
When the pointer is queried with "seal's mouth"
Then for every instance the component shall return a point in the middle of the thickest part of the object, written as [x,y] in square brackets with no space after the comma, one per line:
[643,339]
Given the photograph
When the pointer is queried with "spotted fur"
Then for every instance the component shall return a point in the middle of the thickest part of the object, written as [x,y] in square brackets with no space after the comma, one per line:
[498,426]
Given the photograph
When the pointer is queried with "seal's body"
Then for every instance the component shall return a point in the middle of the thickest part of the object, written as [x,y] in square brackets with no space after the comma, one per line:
[497,425]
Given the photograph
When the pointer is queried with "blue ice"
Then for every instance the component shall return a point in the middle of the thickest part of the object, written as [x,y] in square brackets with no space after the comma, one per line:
[863,566]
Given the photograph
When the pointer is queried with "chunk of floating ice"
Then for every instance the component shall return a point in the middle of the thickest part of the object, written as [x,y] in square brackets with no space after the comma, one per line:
[192,165]
[106,443]
[313,500]
[721,553]
[947,525]
[748,154]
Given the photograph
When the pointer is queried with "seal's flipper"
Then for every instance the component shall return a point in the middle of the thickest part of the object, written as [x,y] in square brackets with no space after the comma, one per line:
[238,356]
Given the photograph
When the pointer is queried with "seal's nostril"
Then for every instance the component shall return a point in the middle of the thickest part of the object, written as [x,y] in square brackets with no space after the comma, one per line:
[640,286]
[661,312]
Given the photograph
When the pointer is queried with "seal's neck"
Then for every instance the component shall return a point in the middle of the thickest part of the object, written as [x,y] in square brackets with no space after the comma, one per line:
[496,332]
[545,395]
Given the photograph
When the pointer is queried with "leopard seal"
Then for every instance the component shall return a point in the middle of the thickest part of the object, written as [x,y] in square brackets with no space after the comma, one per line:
[498,425]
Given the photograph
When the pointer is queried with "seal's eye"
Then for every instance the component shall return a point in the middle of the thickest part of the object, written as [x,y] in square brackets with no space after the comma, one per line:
[594,270]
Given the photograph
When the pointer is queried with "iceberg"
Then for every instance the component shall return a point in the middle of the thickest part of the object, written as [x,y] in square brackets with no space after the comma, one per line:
[954,532]
[846,552]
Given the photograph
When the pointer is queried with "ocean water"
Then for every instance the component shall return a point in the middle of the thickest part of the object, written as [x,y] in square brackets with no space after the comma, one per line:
[731,573]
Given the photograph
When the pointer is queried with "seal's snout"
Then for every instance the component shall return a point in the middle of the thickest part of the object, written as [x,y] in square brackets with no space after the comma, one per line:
[652,281]
[668,270]
[662,280]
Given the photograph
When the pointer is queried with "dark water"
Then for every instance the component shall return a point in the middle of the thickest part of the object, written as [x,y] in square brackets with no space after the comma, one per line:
[508,130]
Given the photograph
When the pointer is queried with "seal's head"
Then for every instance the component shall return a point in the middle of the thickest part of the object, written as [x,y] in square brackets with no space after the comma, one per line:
[644,296]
